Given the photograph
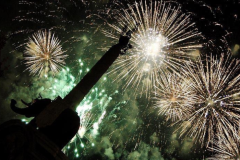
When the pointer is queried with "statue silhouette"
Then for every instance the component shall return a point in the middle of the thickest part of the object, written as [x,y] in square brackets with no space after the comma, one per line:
[55,122]
[61,131]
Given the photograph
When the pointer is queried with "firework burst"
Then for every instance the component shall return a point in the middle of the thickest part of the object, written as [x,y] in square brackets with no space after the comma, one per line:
[174,97]
[216,112]
[225,149]
[43,52]
[86,123]
[162,37]
[92,111]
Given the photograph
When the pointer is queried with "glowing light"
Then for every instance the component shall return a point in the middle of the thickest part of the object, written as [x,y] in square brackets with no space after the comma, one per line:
[225,149]
[82,145]
[152,44]
[43,52]
[174,97]
[162,38]
[216,83]
[91,112]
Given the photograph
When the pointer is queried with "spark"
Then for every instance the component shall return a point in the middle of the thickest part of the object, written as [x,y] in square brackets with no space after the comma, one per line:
[43,52]
[92,110]
[88,111]
[85,124]
[225,149]
[162,38]
[174,97]
[216,83]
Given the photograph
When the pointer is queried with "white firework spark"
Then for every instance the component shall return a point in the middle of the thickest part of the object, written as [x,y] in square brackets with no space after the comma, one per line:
[92,111]
[162,38]
[43,52]
[174,97]
[86,123]
[217,109]
[225,149]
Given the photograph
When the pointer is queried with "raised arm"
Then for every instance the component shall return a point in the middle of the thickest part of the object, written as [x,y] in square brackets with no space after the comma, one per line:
[22,111]
[33,109]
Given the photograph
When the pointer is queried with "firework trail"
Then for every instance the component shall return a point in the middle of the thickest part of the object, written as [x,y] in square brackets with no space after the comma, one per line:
[162,37]
[225,149]
[51,86]
[43,52]
[92,110]
[174,97]
[216,111]
[66,18]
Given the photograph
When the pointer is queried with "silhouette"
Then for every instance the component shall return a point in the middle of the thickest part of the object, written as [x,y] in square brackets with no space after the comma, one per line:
[33,108]
[61,131]
[55,122]
[48,115]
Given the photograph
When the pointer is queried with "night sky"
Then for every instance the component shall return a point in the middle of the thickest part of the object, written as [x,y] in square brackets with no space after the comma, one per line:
[131,128]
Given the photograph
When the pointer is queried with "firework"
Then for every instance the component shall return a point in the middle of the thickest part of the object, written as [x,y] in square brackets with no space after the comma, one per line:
[43,52]
[92,110]
[86,123]
[225,149]
[69,17]
[216,111]
[51,87]
[162,37]
[174,97]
